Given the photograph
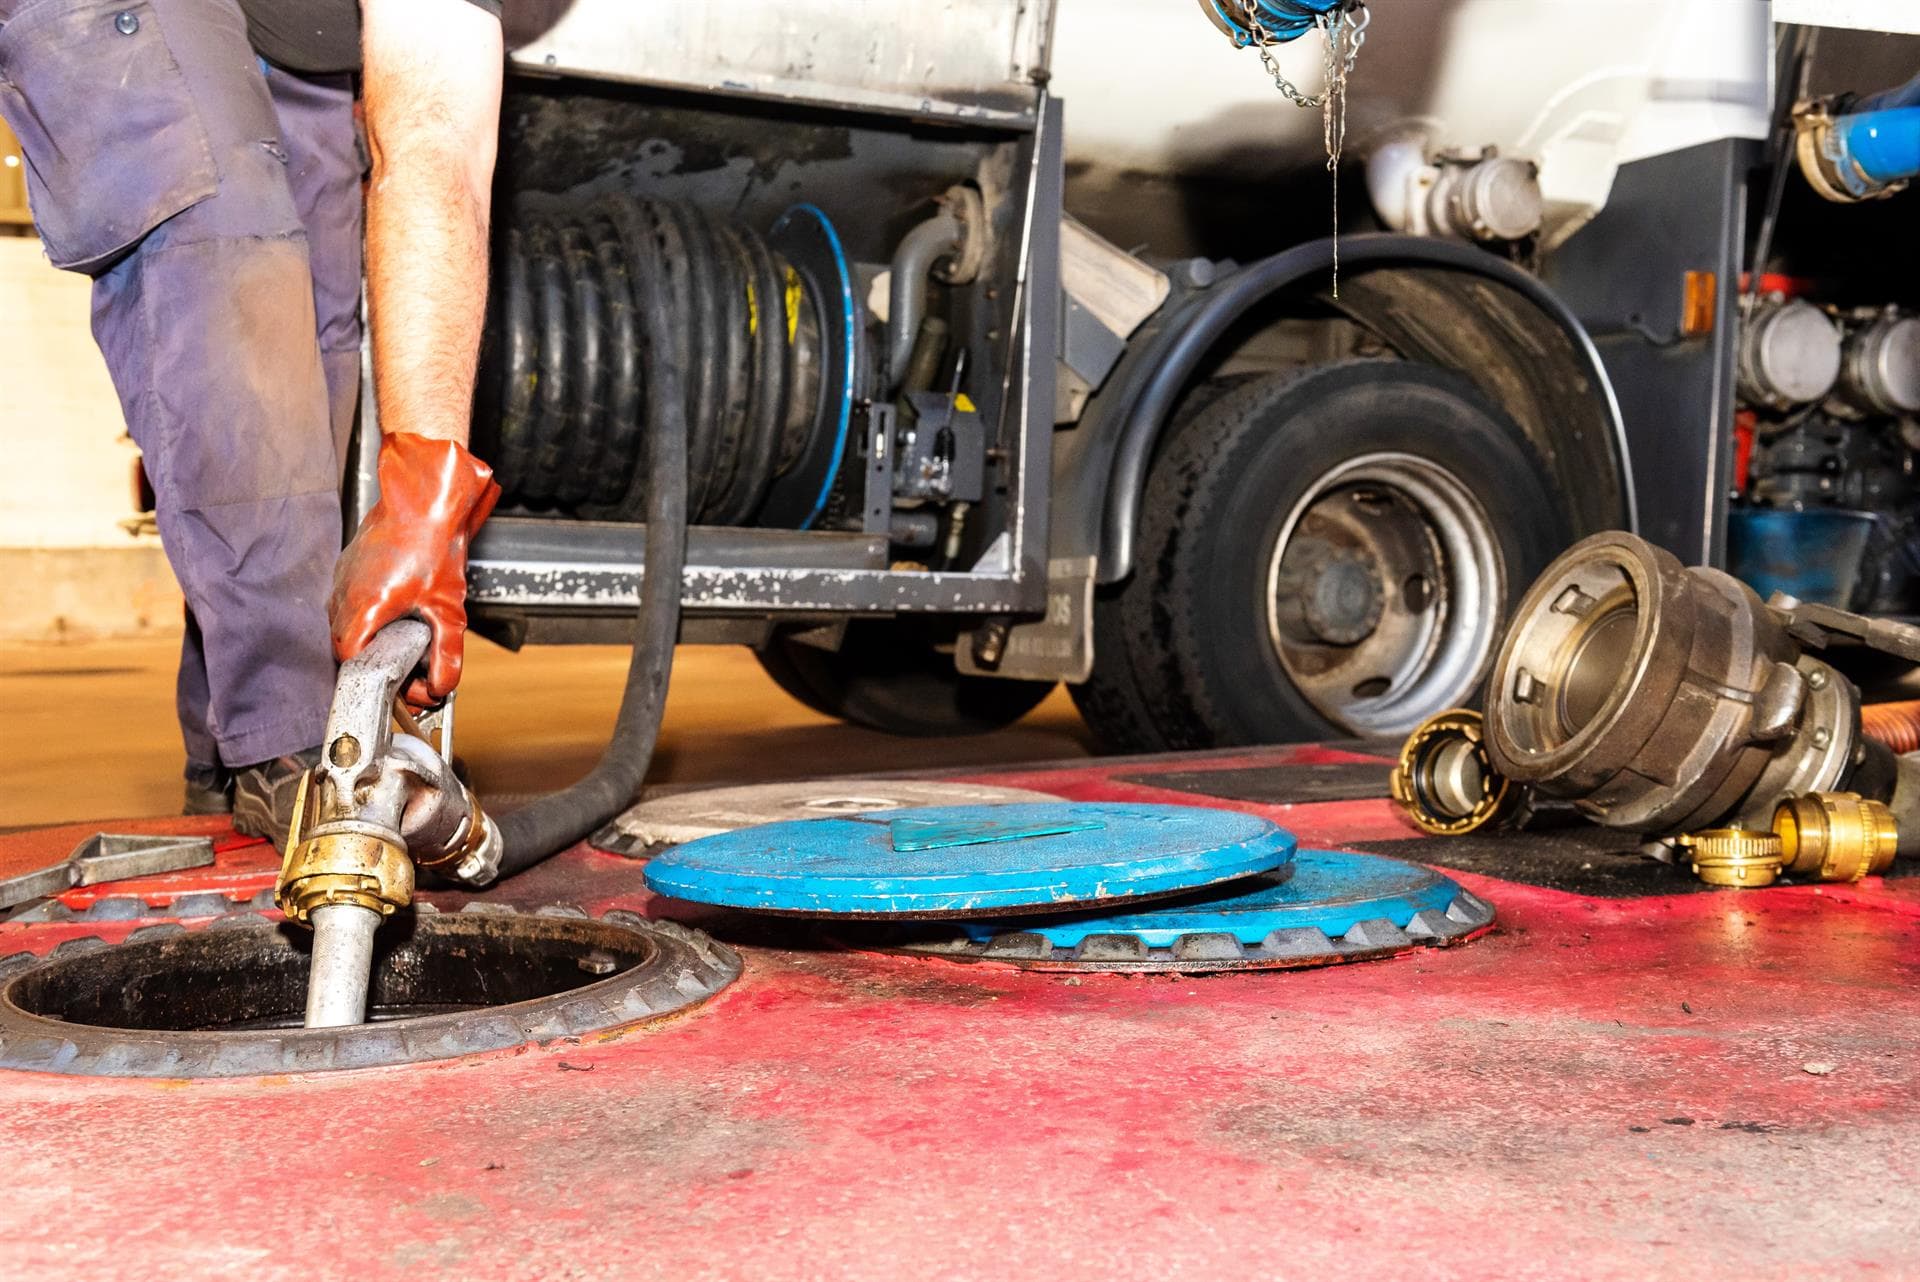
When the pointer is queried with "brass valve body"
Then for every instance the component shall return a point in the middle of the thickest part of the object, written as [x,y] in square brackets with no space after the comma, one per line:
[1835,836]
[1445,783]
[1734,856]
[341,863]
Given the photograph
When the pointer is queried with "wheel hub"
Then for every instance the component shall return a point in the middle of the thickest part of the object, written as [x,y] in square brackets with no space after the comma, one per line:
[1384,590]
[1332,594]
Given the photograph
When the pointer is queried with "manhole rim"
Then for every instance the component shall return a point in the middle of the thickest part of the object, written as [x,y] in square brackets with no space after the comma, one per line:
[689,969]
[1461,918]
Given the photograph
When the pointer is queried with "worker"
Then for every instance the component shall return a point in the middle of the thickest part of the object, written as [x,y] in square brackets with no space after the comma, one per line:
[198,159]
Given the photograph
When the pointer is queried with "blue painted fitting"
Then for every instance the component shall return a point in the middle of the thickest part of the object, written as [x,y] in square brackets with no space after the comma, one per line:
[1885,145]
[1283,20]
[1860,155]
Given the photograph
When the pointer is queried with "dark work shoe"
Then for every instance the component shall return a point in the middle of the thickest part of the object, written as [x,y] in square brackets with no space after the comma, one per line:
[209,790]
[263,796]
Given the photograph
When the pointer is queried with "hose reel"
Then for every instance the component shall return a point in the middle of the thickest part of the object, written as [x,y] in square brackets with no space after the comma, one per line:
[763,324]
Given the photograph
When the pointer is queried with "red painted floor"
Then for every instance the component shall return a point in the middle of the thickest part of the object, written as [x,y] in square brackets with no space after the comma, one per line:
[1600,1089]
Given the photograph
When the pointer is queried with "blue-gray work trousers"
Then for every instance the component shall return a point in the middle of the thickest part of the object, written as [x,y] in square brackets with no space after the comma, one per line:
[215,202]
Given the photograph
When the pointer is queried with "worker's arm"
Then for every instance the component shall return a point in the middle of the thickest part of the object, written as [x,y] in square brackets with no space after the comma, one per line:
[431,76]
[431,86]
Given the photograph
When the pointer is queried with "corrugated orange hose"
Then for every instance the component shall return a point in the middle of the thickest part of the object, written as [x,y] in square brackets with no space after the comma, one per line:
[1895,724]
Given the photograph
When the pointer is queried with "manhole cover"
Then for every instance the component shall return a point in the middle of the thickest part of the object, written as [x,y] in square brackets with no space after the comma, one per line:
[228,1001]
[970,861]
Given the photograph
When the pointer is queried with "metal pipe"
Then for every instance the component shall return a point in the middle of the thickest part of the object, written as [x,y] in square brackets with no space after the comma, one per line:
[342,967]
[1391,170]
[925,245]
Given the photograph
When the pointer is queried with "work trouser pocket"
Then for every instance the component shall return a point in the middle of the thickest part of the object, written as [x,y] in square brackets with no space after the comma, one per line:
[113,143]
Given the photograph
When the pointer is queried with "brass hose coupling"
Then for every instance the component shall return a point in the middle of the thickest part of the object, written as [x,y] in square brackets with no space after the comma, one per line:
[341,862]
[1835,836]
[1733,856]
[1445,782]
[344,845]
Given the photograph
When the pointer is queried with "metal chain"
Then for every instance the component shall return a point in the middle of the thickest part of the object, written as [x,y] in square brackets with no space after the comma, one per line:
[1346,31]
[1262,40]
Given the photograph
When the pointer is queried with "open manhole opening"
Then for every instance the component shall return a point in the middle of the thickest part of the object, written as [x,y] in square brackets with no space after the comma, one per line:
[225,1002]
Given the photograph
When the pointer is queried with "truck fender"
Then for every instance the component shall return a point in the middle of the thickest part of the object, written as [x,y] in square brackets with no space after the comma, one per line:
[1445,303]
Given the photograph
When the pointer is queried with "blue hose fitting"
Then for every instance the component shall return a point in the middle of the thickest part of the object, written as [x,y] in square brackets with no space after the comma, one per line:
[1282,20]
[1862,155]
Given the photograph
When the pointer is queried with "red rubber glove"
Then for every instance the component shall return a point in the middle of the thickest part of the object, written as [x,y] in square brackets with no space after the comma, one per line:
[409,560]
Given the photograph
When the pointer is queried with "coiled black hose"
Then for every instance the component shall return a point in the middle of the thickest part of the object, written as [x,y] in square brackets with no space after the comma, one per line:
[558,820]
[566,406]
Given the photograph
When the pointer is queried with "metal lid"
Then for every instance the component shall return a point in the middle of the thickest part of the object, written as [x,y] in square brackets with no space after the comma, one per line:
[970,861]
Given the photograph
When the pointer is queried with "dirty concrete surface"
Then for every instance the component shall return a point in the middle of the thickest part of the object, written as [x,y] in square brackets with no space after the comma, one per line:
[95,736]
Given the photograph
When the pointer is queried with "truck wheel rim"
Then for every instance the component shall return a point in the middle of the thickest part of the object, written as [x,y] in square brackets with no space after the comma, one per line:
[1383,593]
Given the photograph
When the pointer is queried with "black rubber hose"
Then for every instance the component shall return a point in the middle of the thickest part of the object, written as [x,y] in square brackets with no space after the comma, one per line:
[592,365]
[730,405]
[703,325]
[625,418]
[558,820]
[512,434]
[767,404]
[552,297]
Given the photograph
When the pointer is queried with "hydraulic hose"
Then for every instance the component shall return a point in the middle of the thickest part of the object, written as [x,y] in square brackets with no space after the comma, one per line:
[1895,724]
[1906,95]
[558,820]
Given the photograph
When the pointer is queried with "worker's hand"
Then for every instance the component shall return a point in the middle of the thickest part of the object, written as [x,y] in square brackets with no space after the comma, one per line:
[409,559]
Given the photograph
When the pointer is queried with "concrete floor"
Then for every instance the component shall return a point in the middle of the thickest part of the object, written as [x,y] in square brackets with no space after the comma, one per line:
[93,733]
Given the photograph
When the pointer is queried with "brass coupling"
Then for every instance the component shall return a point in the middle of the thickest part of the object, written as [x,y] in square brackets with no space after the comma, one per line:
[1445,782]
[1835,836]
[1733,856]
[343,862]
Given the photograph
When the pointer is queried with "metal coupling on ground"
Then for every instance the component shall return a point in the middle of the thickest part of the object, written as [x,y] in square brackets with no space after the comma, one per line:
[1835,836]
[1660,698]
[1733,856]
[340,862]
[1445,783]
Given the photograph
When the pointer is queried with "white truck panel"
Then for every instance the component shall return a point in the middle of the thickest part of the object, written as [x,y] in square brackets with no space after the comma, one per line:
[965,59]
[1574,86]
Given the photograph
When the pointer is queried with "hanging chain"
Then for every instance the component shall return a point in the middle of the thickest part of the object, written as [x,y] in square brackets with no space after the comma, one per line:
[1256,34]
[1346,31]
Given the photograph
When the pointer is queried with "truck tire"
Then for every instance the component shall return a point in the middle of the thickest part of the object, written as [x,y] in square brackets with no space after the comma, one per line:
[887,677]
[1330,552]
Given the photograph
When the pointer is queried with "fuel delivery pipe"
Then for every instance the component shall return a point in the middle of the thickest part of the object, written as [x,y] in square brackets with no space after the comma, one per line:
[379,803]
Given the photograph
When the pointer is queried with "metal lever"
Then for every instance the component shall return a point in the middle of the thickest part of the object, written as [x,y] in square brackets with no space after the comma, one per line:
[1817,626]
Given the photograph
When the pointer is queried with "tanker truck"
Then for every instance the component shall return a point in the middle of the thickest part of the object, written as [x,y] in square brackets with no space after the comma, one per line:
[1026,343]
